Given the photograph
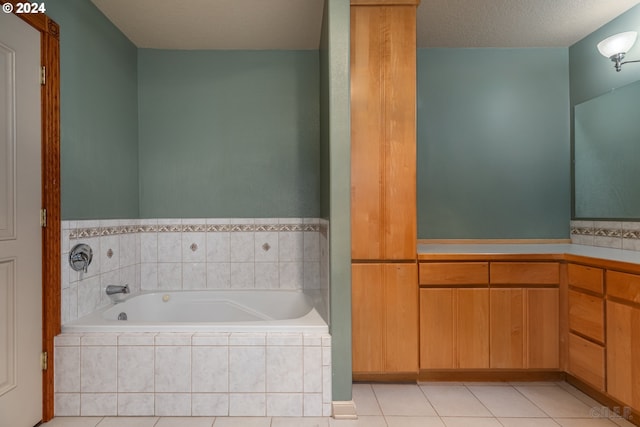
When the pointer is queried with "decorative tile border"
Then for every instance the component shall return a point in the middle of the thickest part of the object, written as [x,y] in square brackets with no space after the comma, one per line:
[610,234]
[605,232]
[81,233]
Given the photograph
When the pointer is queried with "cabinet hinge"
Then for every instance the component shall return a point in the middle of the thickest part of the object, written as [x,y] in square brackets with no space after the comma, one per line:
[43,75]
[44,360]
[43,217]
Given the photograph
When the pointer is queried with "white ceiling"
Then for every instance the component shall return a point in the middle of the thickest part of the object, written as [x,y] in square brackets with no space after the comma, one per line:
[295,24]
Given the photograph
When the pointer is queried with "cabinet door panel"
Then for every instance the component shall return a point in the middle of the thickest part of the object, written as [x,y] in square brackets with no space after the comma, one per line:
[401,317]
[367,134]
[400,132]
[384,317]
[367,317]
[623,353]
[383,132]
[543,343]
[437,328]
[473,328]
[507,328]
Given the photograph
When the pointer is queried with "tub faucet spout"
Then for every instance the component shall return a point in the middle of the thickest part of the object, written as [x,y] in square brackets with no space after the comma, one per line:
[117,292]
[117,289]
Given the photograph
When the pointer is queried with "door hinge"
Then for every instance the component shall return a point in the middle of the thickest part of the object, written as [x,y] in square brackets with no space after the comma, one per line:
[43,75]
[44,360]
[43,217]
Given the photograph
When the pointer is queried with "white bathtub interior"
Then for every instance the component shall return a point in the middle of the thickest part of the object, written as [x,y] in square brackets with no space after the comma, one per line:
[210,311]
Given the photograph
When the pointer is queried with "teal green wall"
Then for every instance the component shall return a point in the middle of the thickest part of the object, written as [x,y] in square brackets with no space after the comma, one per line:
[99,114]
[336,200]
[592,74]
[493,143]
[229,133]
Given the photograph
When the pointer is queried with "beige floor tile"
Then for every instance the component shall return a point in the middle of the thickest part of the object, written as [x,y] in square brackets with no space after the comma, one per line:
[365,400]
[403,399]
[128,422]
[487,383]
[470,422]
[506,401]
[362,421]
[579,395]
[242,422]
[534,383]
[185,422]
[454,401]
[585,422]
[528,422]
[556,402]
[300,422]
[622,423]
[439,383]
[73,422]
[397,421]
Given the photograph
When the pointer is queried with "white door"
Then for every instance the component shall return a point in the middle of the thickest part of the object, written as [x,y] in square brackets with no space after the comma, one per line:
[20,232]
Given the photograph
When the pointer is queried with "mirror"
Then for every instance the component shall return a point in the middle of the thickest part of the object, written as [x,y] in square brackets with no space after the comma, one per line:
[607,155]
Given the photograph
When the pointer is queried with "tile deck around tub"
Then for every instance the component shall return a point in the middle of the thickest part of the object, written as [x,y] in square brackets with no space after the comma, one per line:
[546,404]
[192,374]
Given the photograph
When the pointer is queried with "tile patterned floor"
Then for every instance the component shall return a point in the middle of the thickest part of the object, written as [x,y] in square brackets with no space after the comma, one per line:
[423,405]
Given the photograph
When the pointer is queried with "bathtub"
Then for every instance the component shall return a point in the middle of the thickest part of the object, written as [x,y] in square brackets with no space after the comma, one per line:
[248,310]
[197,353]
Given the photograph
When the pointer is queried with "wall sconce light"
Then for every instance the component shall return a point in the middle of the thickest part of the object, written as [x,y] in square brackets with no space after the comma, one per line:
[616,46]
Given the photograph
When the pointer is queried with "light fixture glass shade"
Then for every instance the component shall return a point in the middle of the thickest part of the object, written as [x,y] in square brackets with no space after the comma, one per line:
[618,43]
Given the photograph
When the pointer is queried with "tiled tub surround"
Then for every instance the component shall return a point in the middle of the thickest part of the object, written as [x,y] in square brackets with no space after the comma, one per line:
[184,254]
[607,234]
[201,374]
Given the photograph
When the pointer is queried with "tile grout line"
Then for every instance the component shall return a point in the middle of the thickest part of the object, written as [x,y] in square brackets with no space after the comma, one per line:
[479,400]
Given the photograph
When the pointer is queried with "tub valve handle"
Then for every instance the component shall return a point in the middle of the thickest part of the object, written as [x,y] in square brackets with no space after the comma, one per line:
[80,257]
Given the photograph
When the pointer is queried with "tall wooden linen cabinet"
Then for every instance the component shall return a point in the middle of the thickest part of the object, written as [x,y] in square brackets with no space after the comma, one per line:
[383,189]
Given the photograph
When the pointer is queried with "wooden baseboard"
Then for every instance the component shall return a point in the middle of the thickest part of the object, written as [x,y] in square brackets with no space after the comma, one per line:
[490,375]
[384,377]
[612,408]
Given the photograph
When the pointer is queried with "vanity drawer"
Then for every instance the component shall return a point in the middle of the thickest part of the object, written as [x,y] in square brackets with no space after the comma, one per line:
[525,273]
[454,273]
[623,285]
[586,315]
[587,278]
[586,361]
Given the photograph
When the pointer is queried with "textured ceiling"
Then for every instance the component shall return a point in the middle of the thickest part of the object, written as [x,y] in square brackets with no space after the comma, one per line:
[513,23]
[295,24]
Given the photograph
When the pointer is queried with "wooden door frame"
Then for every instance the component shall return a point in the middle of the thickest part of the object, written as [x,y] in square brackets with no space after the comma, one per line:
[50,164]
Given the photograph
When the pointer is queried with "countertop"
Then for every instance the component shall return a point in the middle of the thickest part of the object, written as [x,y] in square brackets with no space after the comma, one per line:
[437,251]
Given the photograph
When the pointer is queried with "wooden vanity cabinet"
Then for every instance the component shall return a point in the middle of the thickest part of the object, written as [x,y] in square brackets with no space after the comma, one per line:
[489,315]
[586,342]
[383,188]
